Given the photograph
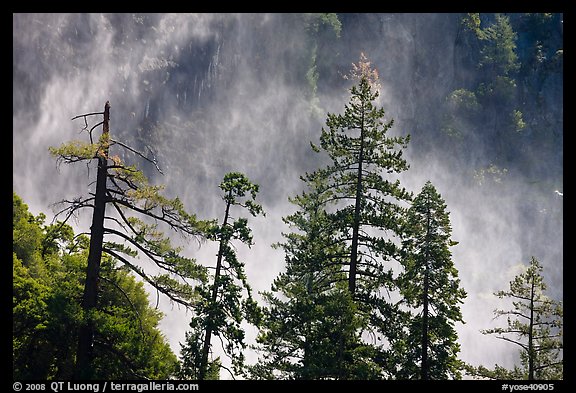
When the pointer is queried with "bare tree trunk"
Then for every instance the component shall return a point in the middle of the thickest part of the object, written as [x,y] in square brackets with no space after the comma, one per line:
[531,352]
[208,336]
[424,366]
[356,224]
[83,369]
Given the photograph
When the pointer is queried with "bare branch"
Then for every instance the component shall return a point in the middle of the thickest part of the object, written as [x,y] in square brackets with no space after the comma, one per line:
[154,161]
[155,257]
[125,168]
[92,129]
[150,254]
[74,205]
[70,159]
[524,346]
[151,160]
[117,221]
[166,217]
[86,123]
[126,221]
[87,114]
[500,313]
[227,369]
[130,184]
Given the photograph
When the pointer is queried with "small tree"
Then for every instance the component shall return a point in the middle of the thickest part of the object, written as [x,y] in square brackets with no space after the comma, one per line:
[487,103]
[536,321]
[139,207]
[223,307]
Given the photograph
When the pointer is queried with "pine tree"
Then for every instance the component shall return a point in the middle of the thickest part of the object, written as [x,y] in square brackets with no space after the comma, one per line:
[347,230]
[535,324]
[223,307]
[431,288]
[360,151]
[366,207]
[132,227]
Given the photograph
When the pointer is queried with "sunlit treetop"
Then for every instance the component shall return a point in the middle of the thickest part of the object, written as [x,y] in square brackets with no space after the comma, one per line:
[363,69]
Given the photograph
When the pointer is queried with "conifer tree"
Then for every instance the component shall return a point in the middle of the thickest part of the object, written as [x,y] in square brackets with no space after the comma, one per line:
[224,307]
[311,325]
[348,230]
[132,228]
[535,324]
[431,288]
[361,151]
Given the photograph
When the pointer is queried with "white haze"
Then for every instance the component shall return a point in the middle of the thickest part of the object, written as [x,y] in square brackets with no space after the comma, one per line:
[256,121]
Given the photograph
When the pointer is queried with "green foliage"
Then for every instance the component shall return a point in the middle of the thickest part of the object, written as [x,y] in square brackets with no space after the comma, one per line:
[464,111]
[535,323]
[347,202]
[497,92]
[362,203]
[429,281]
[314,335]
[487,102]
[26,233]
[319,27]
[498,52]
[30,319]
[311,325]
[517,122]
[511,64]
[472,23]
[190,364]
[75,151]
[139,217]
[498,373]
[235,186]
[329,20]
[489,175]
[462,100]
[48,270]
[226,302]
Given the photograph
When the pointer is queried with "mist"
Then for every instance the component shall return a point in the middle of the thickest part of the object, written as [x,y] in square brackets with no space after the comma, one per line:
[213,93]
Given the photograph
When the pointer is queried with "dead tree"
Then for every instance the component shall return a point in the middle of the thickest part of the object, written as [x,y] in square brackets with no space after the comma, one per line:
[138,208]
[86,331]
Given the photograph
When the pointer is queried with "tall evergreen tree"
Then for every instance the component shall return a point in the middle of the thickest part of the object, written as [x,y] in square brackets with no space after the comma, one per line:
[223,307]
[347,226]
[360,151]
[535,324]
[365,207]
[431,288]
